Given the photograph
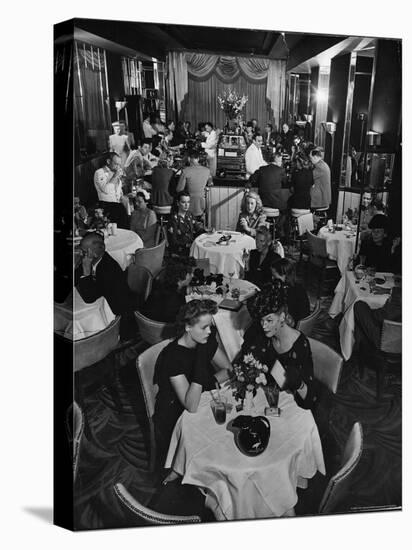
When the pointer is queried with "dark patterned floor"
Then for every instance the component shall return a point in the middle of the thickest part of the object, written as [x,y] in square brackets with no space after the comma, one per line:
[114,446]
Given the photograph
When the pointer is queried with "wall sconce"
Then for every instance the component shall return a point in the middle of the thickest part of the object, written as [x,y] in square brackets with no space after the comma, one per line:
[374,138]
[330,127]
[119,106]
[322,95]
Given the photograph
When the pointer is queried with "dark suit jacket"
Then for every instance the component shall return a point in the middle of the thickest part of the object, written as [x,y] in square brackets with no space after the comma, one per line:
[110,282]
[271,181]
[260,274]
[163,305]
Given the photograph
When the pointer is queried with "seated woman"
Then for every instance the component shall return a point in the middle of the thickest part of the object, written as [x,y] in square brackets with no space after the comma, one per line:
[184,370]
[251,214]
[162,176]
[143,220]
[276,340]
[97,219]
[258,268]
[284,269]
[168,296]
[182,228]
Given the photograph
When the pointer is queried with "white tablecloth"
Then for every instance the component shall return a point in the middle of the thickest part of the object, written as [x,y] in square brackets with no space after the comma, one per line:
[223,259]
[231,325]
[74,319]
[241,487]
[121,245]
[347,292]
[339,246]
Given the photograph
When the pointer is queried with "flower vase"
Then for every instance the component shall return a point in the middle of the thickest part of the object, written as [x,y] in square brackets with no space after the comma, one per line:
[248,403]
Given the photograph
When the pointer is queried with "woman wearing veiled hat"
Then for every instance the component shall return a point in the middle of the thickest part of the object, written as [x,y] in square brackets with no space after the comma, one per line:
[270,339]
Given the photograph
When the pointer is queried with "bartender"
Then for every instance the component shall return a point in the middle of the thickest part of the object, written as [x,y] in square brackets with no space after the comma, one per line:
[253,157]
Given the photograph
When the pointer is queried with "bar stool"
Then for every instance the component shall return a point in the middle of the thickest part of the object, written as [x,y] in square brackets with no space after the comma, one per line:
[163,213]
[271,215]
[295,213]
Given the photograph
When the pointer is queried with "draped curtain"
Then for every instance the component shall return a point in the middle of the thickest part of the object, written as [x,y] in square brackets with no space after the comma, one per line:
[90,99]
[190,75]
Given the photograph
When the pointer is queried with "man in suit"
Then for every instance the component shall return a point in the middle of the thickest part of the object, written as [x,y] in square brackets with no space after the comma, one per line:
[99,274]
[273,188]
[321,193]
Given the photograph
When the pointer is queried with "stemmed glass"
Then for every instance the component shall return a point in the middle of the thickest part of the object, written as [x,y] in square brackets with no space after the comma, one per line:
[230,273]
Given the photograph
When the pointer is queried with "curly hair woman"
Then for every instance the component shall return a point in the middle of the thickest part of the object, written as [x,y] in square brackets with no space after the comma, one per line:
[251,214]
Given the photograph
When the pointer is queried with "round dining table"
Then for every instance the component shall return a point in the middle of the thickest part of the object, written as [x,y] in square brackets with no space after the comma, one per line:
[347,292]
[122,246]
[75,319]
[340,245]
[237,486]
[224,258]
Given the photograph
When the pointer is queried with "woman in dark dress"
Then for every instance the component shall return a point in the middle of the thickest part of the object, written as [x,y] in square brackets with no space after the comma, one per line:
[258,268]
[182,228]
[184,370]
[302,181]
[276,340]
[284,269]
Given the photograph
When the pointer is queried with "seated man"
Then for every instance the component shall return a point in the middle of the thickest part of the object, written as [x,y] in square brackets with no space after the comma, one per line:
[258,267]
[108,184]
[194,180]
[273,189]
[99,274]
[377,249]
[168,296]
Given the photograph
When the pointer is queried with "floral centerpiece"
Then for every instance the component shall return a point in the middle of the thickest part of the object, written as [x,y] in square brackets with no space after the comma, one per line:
[231,103]
[249,374]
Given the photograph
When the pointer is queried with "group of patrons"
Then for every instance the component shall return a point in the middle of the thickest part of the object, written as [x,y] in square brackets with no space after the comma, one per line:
[193,362]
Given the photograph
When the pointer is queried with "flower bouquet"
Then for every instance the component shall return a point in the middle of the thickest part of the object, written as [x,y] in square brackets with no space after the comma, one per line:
[249,374]
[231,103]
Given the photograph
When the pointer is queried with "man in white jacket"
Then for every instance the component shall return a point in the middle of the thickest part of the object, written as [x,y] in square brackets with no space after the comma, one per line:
[210,147]
[253,157]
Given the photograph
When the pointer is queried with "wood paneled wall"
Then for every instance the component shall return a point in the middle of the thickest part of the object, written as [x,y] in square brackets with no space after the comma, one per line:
[225,206]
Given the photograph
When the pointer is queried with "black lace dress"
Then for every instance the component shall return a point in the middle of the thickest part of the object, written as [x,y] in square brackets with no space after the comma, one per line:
[298,356]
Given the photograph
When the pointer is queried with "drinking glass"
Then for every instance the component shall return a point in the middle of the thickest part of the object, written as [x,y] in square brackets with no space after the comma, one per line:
[218,406]
[230,273]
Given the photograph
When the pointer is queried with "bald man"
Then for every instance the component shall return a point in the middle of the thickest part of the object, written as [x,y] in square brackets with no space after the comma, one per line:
[99,274]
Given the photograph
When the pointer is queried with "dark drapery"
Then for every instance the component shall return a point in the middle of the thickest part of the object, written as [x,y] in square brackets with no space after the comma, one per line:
[189,75]
[90,99]
[200,103]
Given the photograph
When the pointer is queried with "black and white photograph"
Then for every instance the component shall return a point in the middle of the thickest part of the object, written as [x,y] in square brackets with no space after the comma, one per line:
[203,261]
[227,273]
